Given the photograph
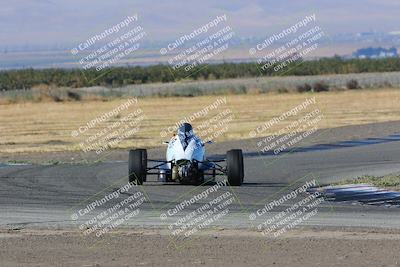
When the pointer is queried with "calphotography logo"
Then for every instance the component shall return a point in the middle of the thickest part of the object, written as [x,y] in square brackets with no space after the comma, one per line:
[288,211]
[202,45]
[109,212]
[201,211]
[201,114]
[281,50]
[290,129]
[111,128]
[111,46]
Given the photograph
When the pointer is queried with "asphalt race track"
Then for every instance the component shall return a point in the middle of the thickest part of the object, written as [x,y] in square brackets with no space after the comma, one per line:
[50,195]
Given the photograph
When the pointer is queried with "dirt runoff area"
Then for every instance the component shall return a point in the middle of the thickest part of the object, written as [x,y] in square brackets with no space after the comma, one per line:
[209,248]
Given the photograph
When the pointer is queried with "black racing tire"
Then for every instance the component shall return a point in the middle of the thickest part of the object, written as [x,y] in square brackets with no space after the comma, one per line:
[200,178]
[234,167]
[137,166]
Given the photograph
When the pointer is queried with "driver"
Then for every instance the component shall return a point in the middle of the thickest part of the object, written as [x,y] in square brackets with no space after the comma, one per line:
[185,134]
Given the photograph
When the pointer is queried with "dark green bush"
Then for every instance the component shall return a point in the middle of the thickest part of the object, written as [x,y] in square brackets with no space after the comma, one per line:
[121,76]
[352,84]
[73,96]
[304,88]
[320,87]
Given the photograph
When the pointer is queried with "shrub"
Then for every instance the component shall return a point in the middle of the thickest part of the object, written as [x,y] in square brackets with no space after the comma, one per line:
[320,87]
[303,88]
[283,90]
[352,84]
[73,95]
[387,84]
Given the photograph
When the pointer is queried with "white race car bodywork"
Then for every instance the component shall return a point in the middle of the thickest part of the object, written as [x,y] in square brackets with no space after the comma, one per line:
[186,162]
[193,151]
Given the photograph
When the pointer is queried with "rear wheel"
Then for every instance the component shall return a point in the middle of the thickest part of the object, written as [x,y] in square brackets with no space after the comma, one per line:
[137,166]
[234,165]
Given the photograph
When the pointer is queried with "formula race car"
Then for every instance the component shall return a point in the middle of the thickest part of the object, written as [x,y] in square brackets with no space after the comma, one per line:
[186,162]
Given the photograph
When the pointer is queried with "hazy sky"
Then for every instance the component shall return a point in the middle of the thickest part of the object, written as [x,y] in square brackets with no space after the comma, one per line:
[71,21]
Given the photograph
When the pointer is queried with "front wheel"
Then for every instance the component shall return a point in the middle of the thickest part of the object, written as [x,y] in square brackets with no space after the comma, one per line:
[234,167]
[137,166]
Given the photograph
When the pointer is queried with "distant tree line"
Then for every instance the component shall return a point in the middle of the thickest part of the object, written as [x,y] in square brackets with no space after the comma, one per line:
[121,76]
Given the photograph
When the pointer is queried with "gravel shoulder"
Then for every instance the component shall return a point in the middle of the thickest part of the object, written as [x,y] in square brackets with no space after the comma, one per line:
[210,248]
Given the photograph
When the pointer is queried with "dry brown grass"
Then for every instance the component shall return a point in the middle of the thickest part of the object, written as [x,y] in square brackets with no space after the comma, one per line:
[47,126]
